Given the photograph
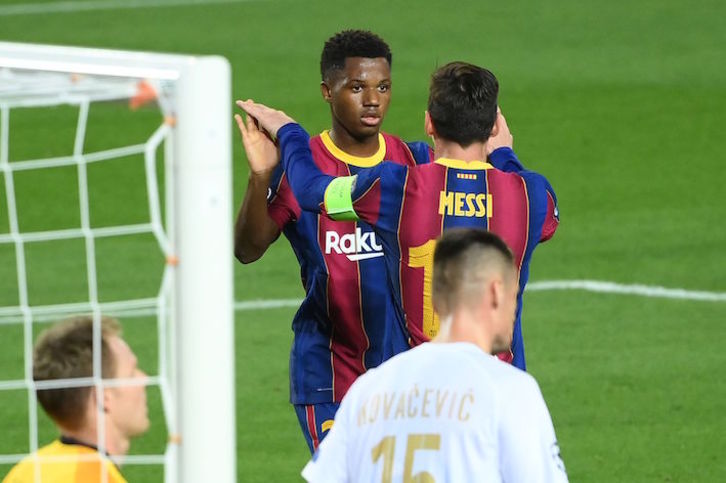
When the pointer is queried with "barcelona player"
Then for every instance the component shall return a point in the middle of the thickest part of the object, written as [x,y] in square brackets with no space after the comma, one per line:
[411,206]
[347,322]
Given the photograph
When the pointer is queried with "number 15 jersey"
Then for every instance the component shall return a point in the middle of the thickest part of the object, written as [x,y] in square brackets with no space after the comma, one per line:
[444,412]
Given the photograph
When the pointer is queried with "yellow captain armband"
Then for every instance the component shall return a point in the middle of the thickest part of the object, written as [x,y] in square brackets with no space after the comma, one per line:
[338,199]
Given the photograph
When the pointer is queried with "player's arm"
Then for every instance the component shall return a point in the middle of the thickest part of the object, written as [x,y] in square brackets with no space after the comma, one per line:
[308,183]
[314,190]
[545,211]
[349,198]
[528,445]
[501,156]
[552,213]
[254,229]
[499,147]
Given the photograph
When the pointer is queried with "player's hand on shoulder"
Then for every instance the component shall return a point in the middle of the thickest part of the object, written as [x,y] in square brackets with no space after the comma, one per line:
[501,136]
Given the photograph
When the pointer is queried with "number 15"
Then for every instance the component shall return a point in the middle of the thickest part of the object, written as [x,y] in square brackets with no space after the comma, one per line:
[386,449]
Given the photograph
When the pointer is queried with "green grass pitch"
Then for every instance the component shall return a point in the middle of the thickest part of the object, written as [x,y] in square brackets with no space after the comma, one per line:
[621,104]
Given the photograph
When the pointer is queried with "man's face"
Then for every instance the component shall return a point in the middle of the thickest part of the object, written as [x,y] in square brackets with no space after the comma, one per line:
[126,405]
[359,95]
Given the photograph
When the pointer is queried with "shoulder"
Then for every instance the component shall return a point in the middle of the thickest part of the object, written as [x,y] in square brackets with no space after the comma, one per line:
[534,179]
[317,147]
[409,153]
[24,471]
[316,141]
[500,377]
[392,141]
[519,391]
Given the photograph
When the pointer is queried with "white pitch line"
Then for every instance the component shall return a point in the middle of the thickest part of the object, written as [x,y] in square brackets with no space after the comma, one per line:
[77,6]
[266,304]
[635,289]
[596,286]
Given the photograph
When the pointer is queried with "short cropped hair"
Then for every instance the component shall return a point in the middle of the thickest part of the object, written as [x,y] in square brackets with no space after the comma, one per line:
[351,43]
[65,351]
[464,259]
[463,102]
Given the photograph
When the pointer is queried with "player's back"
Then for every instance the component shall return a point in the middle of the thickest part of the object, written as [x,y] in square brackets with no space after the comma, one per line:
[443,409]
[65,463]
[517,206]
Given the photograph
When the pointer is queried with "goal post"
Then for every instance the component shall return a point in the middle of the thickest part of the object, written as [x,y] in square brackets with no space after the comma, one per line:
[194,95]
[204,293]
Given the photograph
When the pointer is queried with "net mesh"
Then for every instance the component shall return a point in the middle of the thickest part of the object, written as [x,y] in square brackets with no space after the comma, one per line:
[23,90]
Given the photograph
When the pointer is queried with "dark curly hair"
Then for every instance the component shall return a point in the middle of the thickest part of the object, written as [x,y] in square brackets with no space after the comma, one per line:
[351,43]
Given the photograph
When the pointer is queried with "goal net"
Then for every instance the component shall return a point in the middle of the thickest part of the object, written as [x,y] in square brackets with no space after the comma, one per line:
[115,199]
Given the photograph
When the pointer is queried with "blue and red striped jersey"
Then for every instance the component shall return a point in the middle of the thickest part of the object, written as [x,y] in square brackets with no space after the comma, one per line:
[347,321]
[410,206]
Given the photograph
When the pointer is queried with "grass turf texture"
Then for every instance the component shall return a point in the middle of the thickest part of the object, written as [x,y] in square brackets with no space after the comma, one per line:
[620,104]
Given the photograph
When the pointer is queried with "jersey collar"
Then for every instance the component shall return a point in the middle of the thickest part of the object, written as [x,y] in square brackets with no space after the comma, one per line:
[460,164]
[67,440]
[361,162]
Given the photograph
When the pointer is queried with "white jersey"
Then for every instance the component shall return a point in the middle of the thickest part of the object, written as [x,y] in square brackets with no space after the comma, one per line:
[441,412]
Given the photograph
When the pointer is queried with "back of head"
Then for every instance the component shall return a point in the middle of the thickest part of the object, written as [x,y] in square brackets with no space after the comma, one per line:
[65,351]
[463,102]
[464,259]
[351,43]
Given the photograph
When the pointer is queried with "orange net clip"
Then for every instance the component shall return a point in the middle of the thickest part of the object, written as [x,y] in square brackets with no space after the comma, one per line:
[145,94]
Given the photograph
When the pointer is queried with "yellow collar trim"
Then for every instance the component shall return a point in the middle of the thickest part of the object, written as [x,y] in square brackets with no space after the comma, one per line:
[365,162]
[460,164]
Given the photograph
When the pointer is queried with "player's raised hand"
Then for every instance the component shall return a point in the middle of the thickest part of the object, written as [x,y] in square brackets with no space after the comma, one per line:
[262,154]
[501,136]
[270,119]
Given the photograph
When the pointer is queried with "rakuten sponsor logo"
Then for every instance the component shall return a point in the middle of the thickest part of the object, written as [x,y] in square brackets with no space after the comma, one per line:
[355,246]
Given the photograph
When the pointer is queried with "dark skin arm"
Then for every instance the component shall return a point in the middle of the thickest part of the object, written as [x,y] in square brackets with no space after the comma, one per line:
[254,230]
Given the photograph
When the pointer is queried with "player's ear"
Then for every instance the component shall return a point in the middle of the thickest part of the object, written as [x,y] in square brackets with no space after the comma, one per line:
[497,292]
[495,127]
[429,125]
[325,91]
[107,403]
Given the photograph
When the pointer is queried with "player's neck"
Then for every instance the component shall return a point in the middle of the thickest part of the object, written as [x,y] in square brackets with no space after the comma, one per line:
[116,444]
[362,148]
[88,435]
[452,150]
[464,326]
[85,436]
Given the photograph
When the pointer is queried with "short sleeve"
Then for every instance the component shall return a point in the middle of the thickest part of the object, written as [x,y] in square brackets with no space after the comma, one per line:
[282,206]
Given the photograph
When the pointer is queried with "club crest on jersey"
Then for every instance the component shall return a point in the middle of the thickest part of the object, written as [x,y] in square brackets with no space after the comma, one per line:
[355,246]
[455,203]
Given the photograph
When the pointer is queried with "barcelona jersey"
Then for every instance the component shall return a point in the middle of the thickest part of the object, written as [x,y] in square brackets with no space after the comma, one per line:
[66,461]
[410,206]
[347,322]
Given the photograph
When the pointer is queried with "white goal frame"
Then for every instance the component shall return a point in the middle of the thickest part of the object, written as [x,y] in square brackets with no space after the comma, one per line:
[200,237]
